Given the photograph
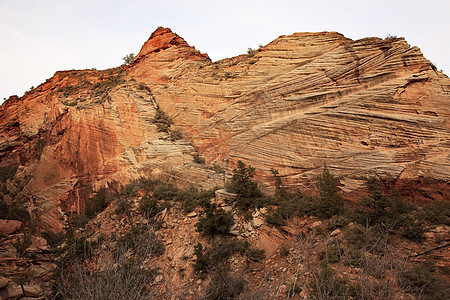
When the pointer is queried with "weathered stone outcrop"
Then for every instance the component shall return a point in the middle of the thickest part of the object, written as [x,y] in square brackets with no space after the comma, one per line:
[365,107]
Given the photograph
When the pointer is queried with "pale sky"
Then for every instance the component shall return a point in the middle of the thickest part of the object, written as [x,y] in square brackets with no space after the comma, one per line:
[40,37]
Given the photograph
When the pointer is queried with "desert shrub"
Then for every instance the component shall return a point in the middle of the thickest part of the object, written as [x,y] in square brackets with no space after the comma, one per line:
[391,38]
[76,249]
[149,206]
[359,237]
[74,221]
[113,276]
[327,284]
[275,218]
[96,204]
[192,197]
[294,289]
[130,189]
[148,184]
[214,220]
[337,221]
[413,228]
[423,280]
[328,204]
[251,52]
[39,146]
[290,204]
[256,255]
[102,87]
[354,257]
[128,58]
[332,254]
[166,191]
[137,239]
[53,239]
[201,260]
[224,286]
[198,159]
[209,258]
[141,86]
[438,212]
[175,135]
[287,203]
[162,121]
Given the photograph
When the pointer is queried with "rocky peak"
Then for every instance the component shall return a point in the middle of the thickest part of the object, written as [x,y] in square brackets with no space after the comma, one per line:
[162,39]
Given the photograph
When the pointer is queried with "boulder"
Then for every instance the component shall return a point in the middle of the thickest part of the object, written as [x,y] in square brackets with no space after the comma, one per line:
[33,291]
[257,222]
[10,226]
[4,282]
[192,214]
[12,291]
[315,224]
[336,232]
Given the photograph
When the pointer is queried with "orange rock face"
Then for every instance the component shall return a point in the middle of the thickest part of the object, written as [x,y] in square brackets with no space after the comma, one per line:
[366,107]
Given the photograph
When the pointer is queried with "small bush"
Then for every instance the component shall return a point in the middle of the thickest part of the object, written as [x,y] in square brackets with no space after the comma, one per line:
[251,52]
[224,286]
[327,285]
[210,258]
[166,191]
[337,221]
[162,121]
[193,197]
[413,228]
[256,255]
[294,289]
[438,212]
[148,184]
[149,206]
[130,189]
[198,159]
[139,239]
[175,135]
[424,281]
[53,239]
[128,58]
[332,254]
[96,204]
[116,275]
[215,221]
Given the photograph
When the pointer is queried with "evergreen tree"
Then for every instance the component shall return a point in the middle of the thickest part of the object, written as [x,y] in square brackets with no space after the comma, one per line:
[330,200]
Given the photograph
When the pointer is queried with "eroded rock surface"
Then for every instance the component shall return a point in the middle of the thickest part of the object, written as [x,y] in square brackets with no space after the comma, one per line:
[365,107]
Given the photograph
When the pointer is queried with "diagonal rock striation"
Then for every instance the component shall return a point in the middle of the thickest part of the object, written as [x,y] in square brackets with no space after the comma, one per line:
[370,107]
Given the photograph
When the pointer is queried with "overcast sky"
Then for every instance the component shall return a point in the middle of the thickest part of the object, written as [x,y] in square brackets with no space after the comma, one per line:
[40,37]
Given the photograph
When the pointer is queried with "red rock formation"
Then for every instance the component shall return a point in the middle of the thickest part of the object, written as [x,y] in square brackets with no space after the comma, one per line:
[365,107]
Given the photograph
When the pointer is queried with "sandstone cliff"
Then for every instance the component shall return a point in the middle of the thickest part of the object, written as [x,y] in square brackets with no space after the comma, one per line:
[365,107]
